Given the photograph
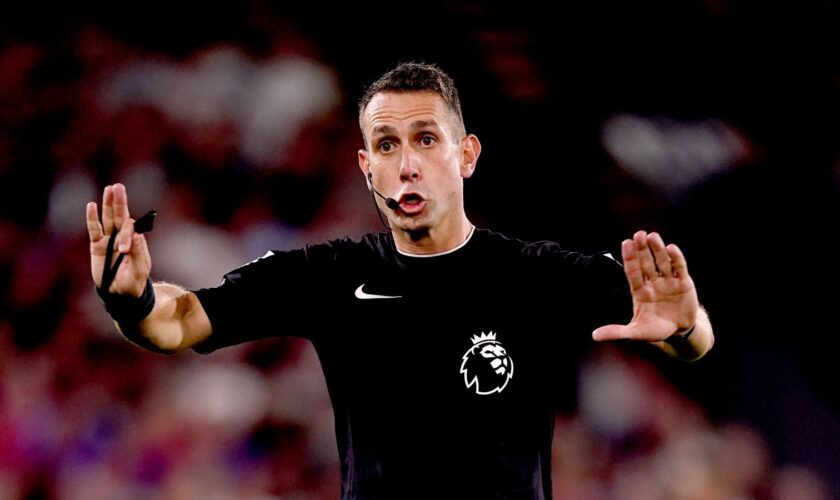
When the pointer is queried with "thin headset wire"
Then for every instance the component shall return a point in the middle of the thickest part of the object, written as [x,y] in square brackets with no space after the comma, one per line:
[379,212]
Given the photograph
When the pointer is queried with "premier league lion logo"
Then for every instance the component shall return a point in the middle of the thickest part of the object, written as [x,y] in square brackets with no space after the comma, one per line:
[487,365]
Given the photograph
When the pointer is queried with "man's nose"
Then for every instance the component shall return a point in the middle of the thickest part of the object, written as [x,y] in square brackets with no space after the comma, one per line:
[409,166]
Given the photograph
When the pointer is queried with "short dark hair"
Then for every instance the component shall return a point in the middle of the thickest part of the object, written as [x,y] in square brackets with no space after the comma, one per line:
[417,77]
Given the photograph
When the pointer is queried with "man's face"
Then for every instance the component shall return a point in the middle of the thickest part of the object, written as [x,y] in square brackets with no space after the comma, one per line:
[415,158]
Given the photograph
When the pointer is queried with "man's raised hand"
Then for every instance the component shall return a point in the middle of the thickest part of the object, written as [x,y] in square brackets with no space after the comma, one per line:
[133,271]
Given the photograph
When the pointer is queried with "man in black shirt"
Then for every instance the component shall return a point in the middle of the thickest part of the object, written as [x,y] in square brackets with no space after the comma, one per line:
[443,345]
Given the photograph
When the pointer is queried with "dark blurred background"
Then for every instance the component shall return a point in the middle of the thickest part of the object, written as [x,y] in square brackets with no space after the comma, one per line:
[714,122]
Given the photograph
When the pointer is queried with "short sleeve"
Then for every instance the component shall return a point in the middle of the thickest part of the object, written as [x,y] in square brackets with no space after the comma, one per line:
[594,285]
[607,297]
[277,294]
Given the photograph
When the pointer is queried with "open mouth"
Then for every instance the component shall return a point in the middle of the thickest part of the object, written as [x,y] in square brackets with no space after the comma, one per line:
[411,199]
[411,203]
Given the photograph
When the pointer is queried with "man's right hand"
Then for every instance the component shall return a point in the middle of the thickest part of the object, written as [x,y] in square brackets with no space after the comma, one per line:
[137,264]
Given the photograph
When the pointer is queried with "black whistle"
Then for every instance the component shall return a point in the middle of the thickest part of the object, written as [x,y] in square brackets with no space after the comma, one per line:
[144,224]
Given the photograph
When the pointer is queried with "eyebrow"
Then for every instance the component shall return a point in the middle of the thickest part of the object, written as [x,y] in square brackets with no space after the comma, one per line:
[424,124]
[384,130]
[388,130]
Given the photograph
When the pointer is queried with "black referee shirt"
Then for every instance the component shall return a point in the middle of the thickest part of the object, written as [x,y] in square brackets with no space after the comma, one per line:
[444,371]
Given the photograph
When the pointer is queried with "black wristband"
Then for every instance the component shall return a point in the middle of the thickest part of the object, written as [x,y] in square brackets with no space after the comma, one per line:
[128,309]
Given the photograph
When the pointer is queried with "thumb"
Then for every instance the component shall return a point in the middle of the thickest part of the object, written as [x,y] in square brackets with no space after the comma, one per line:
[134,269]
[125,236]
[609,332]
[140,250]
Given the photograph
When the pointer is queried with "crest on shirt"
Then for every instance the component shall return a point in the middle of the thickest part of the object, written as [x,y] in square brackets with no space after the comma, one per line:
[486,366]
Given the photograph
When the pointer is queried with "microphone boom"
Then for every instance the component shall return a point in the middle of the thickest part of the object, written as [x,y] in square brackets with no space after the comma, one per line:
[389,202]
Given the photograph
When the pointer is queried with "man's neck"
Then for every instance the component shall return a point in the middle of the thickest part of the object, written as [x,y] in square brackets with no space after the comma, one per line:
[433,240]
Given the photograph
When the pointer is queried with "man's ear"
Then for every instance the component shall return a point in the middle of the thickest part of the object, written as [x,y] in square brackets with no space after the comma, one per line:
[470,150]
[364,165]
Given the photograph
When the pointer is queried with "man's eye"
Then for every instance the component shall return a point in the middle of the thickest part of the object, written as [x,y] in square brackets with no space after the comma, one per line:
[427,140]
[385,146]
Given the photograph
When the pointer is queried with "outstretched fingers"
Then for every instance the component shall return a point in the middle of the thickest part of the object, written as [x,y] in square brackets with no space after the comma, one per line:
[108,210]
[632,265]
[646,261]
[678,263]
[94,227]
[647,258]
[120,206]
[115,217]
[660,254]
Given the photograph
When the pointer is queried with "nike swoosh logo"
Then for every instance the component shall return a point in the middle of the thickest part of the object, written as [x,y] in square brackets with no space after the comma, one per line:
[360,294]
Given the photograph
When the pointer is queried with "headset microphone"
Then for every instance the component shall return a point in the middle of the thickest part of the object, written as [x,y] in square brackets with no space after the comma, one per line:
[389,202]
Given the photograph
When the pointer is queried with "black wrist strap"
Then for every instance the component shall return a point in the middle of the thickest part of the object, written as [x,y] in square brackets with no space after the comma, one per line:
[126,308]
[682,335]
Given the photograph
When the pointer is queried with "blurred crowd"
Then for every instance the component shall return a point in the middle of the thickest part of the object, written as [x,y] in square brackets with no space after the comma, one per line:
[248,144]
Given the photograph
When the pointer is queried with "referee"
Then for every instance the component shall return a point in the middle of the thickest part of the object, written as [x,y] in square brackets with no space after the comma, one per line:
[443,345]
